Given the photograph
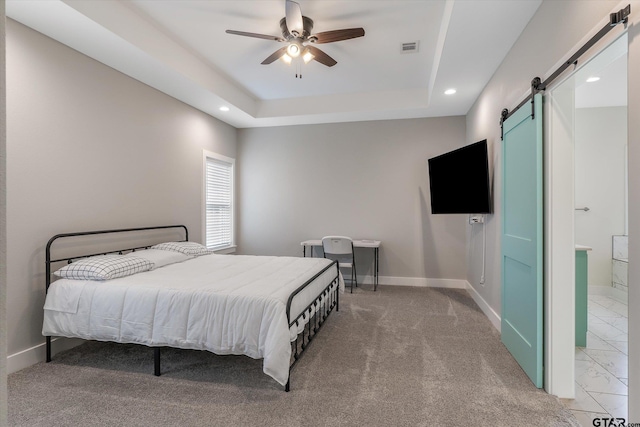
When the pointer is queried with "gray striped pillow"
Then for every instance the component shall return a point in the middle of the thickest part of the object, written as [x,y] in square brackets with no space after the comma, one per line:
[187,248]
[104,267]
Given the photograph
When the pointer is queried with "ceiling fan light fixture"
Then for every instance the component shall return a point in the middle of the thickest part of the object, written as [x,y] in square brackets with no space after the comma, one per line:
[293,50]
[307,56]
[297,38]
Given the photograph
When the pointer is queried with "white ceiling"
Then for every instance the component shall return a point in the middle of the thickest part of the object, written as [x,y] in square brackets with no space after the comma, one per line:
[180,47]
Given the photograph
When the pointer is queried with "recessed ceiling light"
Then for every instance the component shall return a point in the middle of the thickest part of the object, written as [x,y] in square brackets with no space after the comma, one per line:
[224,108]
[449,91]
[593,79]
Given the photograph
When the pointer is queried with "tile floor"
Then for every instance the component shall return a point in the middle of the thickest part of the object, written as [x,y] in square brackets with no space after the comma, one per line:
[601,367]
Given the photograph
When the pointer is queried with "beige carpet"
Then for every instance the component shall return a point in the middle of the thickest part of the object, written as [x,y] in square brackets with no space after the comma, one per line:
[397,357]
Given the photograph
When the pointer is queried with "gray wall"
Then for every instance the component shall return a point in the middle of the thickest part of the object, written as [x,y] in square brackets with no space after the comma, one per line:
[90,148]
[364,180]
[600,184]
[554,31]
[3,226]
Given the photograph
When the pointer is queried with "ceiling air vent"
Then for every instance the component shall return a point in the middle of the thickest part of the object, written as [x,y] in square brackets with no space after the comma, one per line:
[410,47]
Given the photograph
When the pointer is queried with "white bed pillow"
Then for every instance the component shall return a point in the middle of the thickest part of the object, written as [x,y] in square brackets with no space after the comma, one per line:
[104,267]
[160,258]
[187,248]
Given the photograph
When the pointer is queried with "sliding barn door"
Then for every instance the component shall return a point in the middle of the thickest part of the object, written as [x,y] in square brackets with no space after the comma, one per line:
[522,256]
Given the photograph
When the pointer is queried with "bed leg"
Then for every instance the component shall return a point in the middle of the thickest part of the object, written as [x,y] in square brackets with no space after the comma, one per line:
[48,349]
[338,296]
[156,361]
[287,387]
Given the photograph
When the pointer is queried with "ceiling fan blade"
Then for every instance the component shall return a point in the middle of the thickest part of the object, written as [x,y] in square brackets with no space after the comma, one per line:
[321,57]
[255,35]
[293,16]
[338,35]
[275,55]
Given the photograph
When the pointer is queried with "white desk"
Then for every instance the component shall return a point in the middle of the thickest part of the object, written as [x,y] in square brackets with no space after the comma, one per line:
[360,243]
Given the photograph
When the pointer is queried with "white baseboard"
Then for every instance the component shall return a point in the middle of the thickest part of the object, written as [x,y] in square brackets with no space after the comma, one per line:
[494,317]
[600,290]
[424,282]
[610,291]
[31,356]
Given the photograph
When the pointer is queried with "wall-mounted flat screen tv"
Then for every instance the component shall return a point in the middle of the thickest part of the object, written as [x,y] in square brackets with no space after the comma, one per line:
[459,181]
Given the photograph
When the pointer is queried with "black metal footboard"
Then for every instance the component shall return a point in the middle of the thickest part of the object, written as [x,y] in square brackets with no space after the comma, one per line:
[313,316]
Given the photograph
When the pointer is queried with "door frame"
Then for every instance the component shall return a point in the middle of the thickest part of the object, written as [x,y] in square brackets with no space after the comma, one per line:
[559,237]
[559,245]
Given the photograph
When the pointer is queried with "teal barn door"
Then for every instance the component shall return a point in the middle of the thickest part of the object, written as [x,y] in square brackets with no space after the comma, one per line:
[522,234]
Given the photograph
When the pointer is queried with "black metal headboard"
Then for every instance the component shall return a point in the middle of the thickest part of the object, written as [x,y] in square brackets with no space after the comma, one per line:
[49,261]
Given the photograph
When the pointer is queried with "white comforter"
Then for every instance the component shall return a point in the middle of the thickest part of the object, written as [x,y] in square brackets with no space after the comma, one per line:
[226,304]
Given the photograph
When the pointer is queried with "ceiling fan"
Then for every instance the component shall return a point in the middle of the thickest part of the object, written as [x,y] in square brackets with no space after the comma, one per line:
[296,32]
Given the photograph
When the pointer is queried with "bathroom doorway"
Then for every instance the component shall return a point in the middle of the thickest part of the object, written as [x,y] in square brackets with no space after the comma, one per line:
[591,108]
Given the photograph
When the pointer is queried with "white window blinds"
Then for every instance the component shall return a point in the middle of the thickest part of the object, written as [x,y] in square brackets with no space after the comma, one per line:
[219,203]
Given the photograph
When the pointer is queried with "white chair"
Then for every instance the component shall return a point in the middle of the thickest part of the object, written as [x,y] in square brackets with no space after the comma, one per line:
[341,248]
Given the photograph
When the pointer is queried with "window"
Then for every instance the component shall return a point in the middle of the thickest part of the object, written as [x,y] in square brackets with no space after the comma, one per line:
[218,201]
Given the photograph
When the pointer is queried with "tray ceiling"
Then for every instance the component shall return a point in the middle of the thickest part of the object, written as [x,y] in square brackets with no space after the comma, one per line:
[181,48]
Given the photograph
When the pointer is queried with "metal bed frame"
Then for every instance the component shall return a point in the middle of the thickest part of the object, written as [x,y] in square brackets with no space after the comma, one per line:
[315,314]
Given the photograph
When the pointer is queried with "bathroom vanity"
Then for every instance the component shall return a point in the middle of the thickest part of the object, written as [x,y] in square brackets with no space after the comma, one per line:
[582,285]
